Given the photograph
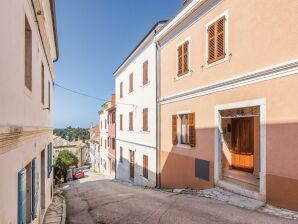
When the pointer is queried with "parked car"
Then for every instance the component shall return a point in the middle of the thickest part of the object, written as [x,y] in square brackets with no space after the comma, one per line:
[88,164]
[77,173]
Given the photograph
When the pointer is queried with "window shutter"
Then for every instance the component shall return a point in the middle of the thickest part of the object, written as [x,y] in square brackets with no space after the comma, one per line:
[145,72]
[211,43]
[220,39]
[131,82]
[185,57]
[121,89]
[49,159]
[145,119]
[121,154]
[192,129]
[145,166]
[22,196]
[216,40]
[180,60]
[121,128]
[130,121]
[34,188]
[174,130]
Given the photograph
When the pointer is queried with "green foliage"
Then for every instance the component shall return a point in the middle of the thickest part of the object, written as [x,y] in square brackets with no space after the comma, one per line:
[64,161]
[71,134]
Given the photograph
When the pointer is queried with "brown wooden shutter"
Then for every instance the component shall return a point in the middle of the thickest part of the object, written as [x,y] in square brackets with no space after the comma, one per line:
[130,121]
[192,129]
[174,130]
[42,84]
[216,40]
[121,128]
[145,72]
[180,60]
[211,43]
[145,119]
[145,166]
[185,57]
[131,82]
[121,89]
[220,39]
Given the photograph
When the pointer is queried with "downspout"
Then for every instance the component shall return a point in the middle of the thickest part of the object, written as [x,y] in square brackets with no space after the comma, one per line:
[158,184]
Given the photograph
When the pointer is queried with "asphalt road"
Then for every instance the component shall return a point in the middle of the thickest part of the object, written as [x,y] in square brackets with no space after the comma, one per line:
[99,200]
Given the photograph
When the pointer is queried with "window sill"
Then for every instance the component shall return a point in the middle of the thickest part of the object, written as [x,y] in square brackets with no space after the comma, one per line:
[145,132]
[28,92]
[185,146]
[183,76]
[147,84]
[226,58]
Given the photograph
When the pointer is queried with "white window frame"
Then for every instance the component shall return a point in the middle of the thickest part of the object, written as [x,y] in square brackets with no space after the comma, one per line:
[179,144]
[189,58]
[226,15]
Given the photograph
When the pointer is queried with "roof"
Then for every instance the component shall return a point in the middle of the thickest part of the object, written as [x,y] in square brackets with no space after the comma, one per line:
[53,10]
[139,44]
[185,11]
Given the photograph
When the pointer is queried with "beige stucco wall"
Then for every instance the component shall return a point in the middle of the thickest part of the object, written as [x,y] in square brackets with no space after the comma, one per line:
[25,126]
[261,33]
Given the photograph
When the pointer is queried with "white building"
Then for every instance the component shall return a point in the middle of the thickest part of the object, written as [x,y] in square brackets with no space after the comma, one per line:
[103,143]
[28,43]
[136,113]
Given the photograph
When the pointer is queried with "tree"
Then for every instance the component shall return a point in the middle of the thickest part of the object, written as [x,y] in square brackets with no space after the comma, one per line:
[64,161]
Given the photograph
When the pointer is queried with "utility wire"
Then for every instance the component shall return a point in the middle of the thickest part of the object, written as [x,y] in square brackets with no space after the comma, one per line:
[86,95]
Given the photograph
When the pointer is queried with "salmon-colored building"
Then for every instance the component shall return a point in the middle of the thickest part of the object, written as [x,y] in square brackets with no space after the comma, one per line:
[227,108]
[112,135]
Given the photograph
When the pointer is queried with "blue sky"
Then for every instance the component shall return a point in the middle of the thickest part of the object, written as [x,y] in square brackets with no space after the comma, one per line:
[94,37]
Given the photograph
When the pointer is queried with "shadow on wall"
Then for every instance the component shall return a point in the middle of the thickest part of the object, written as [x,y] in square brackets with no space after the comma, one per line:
[194,167]
[141,176]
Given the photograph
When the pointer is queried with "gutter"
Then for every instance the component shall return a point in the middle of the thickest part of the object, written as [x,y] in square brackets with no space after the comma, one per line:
[53,11]
[158,181]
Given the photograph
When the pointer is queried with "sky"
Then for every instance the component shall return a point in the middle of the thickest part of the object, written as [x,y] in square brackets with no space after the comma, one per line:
[94,37]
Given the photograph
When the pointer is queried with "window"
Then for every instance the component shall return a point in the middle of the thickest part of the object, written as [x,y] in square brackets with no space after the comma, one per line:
[216,40]
[28,55]
[49,95]
[130,121]
[121,154]
[113,117]
[100,141]
[145,119]
[121,127]
[109,141]
[121,89]
[50,157]
[113,143]
[145,72]
[105,143]
[105,123]
[183,129]
[131,82]
[42,83]
[145,166]
[183,59]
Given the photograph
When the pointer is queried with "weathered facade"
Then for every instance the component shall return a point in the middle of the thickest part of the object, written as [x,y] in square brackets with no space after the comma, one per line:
[28,49]
[227,109]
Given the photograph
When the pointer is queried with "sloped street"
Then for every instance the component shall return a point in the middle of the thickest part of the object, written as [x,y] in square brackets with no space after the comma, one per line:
[98,199]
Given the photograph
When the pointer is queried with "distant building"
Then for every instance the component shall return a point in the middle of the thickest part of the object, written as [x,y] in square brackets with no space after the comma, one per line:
[112,136]
[28,48]
[93,152]
[136,96]
[78,148]
[104,135]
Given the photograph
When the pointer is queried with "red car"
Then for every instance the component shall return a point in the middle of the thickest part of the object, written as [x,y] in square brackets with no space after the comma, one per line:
[77,173]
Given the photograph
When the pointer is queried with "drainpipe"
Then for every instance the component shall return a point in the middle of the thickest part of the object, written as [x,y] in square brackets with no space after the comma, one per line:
[157,114]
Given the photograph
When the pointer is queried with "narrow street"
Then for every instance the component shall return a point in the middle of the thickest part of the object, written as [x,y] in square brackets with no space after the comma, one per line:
[97,199]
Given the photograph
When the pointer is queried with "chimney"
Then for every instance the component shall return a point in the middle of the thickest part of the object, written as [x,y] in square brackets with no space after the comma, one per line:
[186,1]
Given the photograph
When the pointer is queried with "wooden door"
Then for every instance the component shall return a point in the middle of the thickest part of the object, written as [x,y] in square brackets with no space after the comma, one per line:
[243,143]
[132,164]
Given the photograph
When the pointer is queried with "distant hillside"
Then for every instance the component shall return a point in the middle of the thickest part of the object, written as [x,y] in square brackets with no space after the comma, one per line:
[71,134]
